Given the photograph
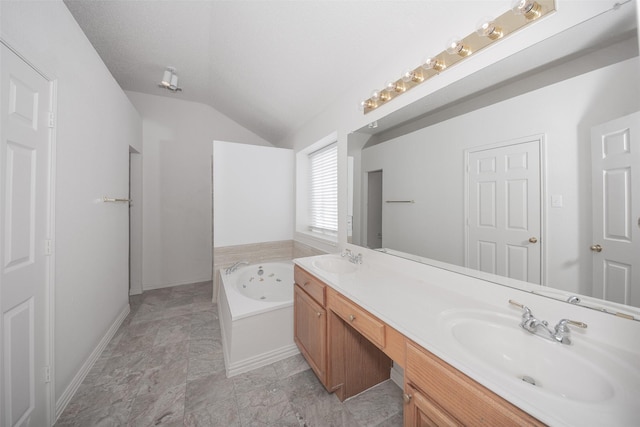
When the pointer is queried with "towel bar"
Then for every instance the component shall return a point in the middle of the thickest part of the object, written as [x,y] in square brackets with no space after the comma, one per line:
[111,199]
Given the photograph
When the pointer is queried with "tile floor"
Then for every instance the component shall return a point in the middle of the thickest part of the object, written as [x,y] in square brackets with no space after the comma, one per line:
[164,367]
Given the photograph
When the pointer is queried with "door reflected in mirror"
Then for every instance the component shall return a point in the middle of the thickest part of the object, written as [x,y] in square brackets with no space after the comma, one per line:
[456,180]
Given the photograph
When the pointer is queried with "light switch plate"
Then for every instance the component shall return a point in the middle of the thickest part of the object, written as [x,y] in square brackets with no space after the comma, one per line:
[556,201]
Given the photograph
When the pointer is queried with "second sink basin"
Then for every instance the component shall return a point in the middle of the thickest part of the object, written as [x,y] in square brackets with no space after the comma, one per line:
[498,341]
[335,264]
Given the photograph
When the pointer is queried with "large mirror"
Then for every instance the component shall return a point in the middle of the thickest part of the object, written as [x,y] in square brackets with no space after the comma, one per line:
[500,176]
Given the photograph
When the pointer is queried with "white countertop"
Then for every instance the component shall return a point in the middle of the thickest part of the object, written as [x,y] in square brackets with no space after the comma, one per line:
[418,300]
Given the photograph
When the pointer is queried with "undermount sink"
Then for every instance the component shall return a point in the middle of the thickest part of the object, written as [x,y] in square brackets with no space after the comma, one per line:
[562,370]
[337,265]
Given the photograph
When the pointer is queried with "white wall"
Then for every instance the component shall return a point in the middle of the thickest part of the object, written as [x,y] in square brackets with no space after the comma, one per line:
[96,124]
[253,194]
[343,115]
[178,138]
[428,166]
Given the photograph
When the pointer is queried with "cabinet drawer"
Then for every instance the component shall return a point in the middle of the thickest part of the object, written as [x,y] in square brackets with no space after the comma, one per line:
[468,401]
[359,319]
[311,285]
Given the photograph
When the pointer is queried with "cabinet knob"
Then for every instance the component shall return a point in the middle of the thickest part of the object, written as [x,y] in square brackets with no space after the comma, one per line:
[407,398]
[352,317]
[318,314]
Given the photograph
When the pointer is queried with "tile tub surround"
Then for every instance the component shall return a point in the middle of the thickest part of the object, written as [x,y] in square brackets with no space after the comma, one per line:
[254,253]
[165,367]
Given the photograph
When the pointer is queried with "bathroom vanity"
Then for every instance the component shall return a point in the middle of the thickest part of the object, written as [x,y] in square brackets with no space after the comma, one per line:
[352,321]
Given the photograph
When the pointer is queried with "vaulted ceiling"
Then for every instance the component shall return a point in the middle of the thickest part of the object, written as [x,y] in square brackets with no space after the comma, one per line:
[268,65]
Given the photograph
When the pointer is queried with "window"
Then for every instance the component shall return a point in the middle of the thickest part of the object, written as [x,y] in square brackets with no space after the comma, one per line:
[323,166]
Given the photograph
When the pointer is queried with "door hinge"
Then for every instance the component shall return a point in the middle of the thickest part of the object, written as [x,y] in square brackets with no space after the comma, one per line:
[47,374]
[52,119]
[48,247]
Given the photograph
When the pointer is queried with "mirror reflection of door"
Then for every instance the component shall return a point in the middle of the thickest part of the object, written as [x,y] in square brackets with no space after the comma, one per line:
[615,147]
[374,209]
[503,205]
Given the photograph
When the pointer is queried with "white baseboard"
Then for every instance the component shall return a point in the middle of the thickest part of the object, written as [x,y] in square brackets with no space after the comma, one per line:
[71,389]
[152,286]
[264,359]
[397,375]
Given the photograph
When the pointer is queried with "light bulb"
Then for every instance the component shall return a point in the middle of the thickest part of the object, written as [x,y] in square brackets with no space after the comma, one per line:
[488,28]
[395,86]
[456,47]
[367,104]
[530,9]
[375,95]
[433,63]
[412,76]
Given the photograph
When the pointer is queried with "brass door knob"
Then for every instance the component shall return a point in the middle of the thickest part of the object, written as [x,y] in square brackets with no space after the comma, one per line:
[596,248]
[533,240]
[407,398]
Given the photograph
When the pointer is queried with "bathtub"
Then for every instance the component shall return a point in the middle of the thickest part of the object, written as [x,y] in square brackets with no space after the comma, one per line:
[255,305]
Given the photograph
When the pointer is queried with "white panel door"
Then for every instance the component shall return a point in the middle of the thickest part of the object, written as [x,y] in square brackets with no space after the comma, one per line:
[615,157]
[504,219]
[24,192]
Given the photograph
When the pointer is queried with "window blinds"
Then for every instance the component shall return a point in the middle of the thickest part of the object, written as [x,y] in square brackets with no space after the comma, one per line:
[324,190]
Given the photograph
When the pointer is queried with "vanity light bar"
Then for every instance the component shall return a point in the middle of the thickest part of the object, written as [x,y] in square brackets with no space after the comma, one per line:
[523,13]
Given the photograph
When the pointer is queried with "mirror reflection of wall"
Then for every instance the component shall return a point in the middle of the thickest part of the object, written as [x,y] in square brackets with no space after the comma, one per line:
[427,165]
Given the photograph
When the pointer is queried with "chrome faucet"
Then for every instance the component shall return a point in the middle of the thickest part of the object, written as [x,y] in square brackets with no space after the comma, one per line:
[560,333]
[573,299]
[235,266]
[353,258]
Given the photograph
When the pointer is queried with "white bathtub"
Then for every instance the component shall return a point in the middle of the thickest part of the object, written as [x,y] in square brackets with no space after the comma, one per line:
[255,305]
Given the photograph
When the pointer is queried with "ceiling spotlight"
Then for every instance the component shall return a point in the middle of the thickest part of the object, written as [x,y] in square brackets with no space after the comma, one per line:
[166,78]
[170,80]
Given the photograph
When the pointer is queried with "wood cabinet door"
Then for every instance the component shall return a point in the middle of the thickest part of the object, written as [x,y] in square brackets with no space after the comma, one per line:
[310,331]
[452,392]
[422,412]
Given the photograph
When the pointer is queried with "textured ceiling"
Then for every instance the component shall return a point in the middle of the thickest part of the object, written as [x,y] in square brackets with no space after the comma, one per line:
[268,65]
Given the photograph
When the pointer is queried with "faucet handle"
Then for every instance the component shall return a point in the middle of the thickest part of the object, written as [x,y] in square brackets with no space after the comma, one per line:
[563,323]
[517,304]
[529,322]
[561,331]
[527,310]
